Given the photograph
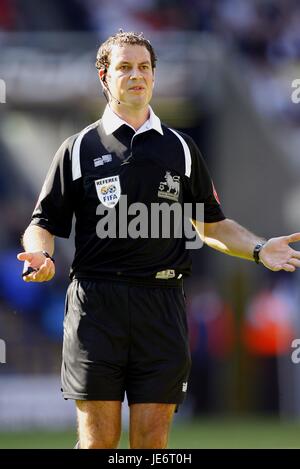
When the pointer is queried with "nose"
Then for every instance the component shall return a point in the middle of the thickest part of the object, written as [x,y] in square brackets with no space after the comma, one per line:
[135,73]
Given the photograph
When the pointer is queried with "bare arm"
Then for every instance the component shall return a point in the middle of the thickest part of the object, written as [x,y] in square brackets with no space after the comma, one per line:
[35,241]
[231,238]
[36,238]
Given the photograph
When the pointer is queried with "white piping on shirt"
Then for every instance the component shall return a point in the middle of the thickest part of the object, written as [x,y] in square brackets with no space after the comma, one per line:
[76,167]
[187,154]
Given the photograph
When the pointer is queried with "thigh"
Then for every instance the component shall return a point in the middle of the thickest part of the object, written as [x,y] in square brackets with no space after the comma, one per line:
[159,360]
[150,425]
[99,423]
[95,345]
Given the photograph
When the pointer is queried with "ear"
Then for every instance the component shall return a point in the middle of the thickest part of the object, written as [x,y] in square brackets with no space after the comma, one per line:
[101,74]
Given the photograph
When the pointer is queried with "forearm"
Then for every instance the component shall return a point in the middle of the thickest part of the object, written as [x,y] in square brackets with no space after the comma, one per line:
[229,237]
[36,239]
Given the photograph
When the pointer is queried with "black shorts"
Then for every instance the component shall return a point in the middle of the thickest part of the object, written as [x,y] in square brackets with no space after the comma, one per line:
[119,338]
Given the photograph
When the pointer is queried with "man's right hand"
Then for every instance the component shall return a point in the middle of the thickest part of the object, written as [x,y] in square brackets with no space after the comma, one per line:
[44,268]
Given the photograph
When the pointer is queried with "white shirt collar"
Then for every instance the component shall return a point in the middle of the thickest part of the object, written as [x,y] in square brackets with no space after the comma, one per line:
[111,122]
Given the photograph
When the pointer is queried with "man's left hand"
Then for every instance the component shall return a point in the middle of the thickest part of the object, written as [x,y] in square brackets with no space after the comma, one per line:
[276,254]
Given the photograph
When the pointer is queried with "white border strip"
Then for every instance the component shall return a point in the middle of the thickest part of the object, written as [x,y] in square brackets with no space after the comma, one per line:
[187,154]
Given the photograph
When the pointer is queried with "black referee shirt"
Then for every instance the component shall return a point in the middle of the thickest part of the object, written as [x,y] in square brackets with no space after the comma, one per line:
[110,159]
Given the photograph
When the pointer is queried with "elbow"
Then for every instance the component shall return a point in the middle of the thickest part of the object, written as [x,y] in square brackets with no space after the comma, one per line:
[213,230]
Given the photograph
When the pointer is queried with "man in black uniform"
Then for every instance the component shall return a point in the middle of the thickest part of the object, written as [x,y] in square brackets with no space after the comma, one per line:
[125,325]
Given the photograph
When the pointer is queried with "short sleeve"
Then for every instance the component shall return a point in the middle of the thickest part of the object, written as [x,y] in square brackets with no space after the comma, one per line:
[200,188]
[55,206]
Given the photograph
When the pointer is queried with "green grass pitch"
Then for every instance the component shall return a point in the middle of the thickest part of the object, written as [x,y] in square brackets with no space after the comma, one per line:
[203,433]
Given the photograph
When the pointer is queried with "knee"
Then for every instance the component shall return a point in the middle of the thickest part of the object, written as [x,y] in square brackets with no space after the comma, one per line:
[150,425]
[149,438]
[99,424]
[149,441]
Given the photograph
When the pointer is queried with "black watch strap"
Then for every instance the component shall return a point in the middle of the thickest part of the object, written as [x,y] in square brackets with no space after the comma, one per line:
[256,252]
[46,254]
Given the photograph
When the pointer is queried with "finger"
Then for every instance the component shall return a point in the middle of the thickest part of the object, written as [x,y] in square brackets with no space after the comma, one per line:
[293,238]
[42,273]
[50,276]
[295,254]
[25,256]
[45,272]
[29,277]
[288,268]
[37,276]
[51,271]
[294,262]
[28,270]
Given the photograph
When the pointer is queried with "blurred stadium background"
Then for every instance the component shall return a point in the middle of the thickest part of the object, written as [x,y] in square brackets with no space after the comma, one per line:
[224,76]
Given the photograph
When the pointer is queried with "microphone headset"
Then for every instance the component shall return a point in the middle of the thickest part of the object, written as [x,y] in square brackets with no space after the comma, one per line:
[107,91]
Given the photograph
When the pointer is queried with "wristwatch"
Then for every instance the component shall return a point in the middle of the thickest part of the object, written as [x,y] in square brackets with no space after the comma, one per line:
[256,252]
[46,254]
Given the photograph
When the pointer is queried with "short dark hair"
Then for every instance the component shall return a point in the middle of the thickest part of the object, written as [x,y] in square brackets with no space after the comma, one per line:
[119,39]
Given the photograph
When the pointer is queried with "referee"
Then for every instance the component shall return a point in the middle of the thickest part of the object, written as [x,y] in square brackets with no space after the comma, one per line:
[125,328]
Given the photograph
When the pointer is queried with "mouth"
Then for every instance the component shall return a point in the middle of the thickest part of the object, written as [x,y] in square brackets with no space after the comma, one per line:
[136,88]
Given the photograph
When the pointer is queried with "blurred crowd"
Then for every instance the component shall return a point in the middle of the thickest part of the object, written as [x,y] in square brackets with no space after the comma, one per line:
[265,33]
[263,30]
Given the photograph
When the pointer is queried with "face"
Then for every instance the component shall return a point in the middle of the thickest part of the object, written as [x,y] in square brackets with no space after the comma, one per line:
[130,76]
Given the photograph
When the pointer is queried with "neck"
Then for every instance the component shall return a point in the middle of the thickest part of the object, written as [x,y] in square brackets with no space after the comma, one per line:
[135,117]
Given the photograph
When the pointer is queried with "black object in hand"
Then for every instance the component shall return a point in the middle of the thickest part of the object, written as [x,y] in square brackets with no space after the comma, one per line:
[29,271]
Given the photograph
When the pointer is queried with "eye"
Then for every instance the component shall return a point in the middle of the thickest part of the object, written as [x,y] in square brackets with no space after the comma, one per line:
[145,67]
[124,67]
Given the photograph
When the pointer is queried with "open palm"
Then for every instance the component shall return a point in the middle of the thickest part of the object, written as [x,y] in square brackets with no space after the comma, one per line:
[278,255]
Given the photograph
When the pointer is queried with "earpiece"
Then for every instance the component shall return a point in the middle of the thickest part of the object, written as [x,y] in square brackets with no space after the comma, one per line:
[107,90]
